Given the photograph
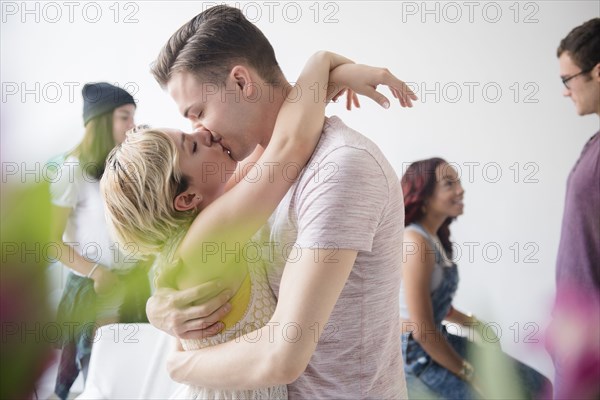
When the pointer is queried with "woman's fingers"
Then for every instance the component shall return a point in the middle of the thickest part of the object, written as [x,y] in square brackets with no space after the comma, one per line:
[364,80]
[337,96]
[382,100]
[400,89]
[355,100]
[349,100]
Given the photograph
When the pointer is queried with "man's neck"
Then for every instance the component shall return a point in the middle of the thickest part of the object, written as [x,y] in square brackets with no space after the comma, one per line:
[275,97]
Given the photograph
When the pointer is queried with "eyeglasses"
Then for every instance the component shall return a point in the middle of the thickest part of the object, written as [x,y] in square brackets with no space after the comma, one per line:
[568,78]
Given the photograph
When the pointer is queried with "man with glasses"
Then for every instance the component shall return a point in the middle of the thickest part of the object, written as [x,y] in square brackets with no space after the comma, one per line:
[575,329]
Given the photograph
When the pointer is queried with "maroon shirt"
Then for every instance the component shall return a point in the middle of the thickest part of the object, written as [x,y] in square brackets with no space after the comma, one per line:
[578,261]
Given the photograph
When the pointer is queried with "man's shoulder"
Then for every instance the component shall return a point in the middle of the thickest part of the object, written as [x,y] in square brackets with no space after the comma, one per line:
[338,139]
[337,134]
[345,146]
[346,161]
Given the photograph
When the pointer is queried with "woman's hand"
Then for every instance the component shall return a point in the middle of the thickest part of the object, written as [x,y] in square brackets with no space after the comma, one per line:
[480,332]
[363,80]
[104,280]
[351,98]
[484,334]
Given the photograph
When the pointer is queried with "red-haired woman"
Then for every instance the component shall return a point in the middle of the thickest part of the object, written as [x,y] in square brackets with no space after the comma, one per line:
[435,361]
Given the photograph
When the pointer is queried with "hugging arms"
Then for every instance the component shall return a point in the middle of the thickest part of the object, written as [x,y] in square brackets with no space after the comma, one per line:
[309,290]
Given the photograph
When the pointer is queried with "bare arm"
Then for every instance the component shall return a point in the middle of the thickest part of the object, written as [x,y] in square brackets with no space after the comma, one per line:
[169,310]
[416,275]
[356,79]
[104,279]
[308,293]
[310,286]
[236,215]
[460,318]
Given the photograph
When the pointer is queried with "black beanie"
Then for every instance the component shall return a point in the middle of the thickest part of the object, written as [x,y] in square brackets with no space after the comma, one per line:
[100,98]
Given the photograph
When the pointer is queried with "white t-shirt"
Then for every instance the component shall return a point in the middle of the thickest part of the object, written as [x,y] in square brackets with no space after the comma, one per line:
[348,197]
[86,230]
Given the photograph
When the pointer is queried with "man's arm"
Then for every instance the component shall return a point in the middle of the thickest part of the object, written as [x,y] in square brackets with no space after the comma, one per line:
[192,313]
[279,352]
[309,288]
[168,309]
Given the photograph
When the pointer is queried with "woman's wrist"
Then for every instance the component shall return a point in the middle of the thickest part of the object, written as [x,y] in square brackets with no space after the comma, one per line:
[334,59]
[91,273]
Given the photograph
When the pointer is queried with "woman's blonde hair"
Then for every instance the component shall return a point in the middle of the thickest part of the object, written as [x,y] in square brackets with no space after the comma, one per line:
[140,182]
[96,144]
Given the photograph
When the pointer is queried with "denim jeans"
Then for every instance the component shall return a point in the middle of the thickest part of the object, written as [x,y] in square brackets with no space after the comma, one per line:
[426,378]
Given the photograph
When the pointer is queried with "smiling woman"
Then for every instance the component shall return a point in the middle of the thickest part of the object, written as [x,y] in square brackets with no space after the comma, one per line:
[436,361]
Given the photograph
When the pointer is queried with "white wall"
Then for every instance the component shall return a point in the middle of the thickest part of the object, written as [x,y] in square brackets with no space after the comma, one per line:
[462,47]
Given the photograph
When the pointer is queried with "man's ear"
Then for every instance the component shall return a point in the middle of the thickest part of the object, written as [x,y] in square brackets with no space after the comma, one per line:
[242,77]
[596,72]
[187,201]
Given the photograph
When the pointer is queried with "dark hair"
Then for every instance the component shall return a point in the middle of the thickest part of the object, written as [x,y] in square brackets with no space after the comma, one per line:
[97,142]
[583,45]
[418,185]
[211,43]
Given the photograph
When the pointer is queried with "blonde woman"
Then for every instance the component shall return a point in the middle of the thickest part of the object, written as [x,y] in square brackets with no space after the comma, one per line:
[180,195]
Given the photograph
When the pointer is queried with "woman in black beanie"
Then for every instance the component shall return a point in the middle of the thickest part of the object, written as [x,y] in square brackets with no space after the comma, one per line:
[104,286]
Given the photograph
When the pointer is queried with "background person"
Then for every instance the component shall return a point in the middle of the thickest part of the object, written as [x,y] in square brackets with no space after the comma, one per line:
[104,285]
[436,362]
[574,333]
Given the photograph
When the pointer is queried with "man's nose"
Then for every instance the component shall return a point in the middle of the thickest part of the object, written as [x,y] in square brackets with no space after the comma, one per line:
[204,136]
